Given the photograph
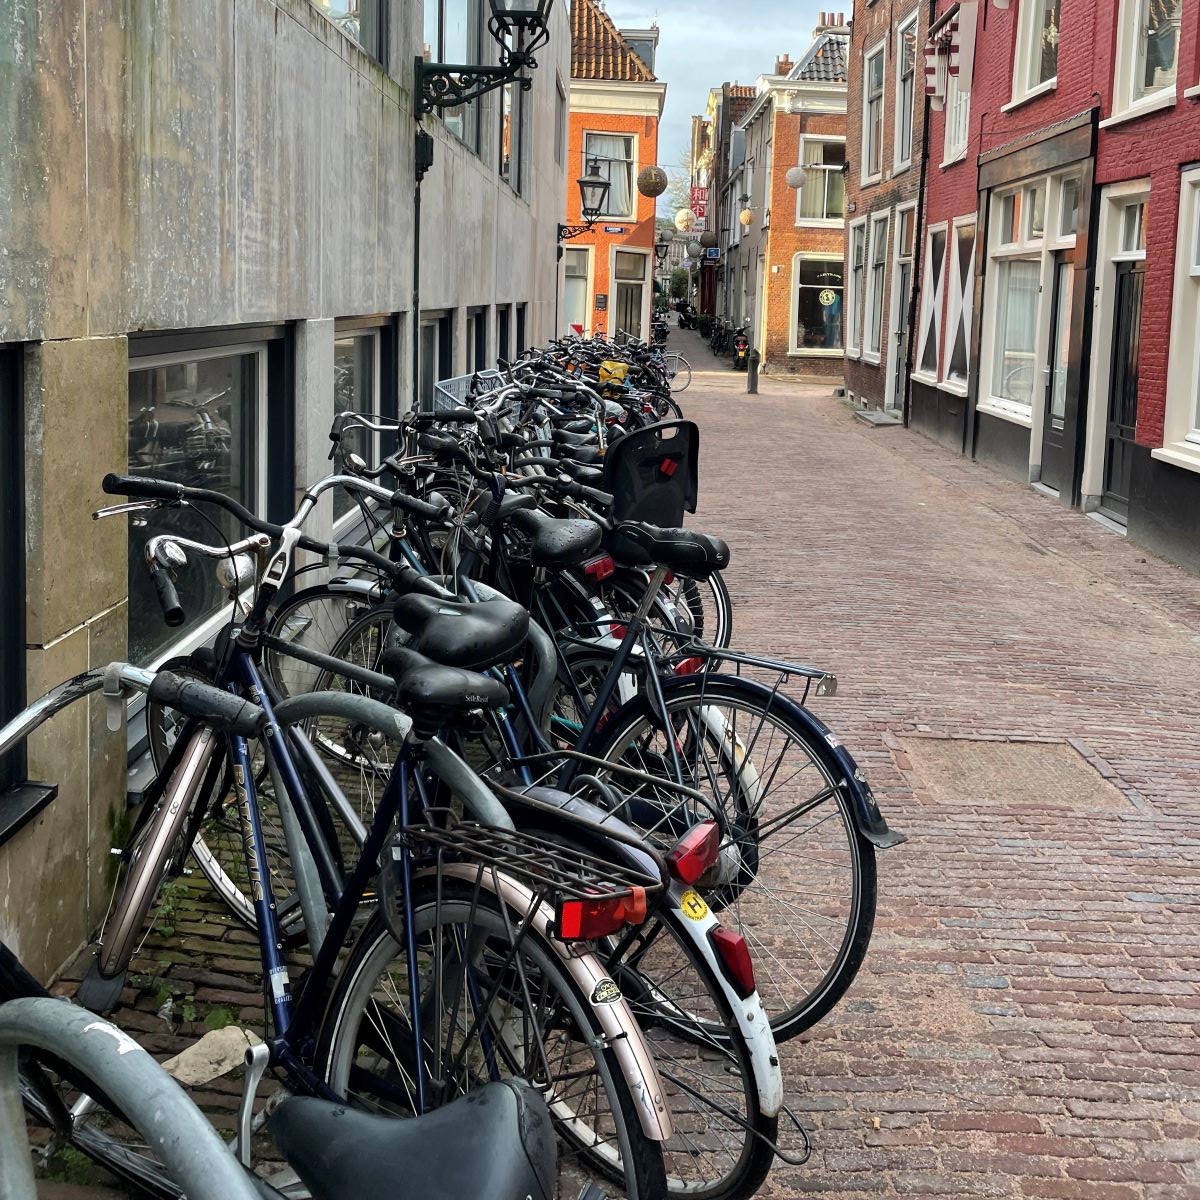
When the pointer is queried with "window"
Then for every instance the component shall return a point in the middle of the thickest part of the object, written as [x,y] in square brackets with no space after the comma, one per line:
[872,147]
[932,291]
[521,331]
[1182,423]
[452,34]
[1133,227]
[1036,60]
[195,420]
[819,285]
[12,556]
[503,339]
[958,117]
[823,196]
[1068,215]
[1147,53]
[613,154]
[1017,284]
[963,274]
[1009,230]
[873,336]
[906,72]
[858,258]
[512,134]
[355,389]
[575,288]
[560,121]
[363,20]
[1035,206]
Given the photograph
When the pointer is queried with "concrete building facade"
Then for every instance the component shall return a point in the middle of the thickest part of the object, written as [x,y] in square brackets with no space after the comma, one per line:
[206,214]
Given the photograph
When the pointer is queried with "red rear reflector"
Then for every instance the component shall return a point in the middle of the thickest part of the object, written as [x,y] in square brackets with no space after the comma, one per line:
[689,666]
[669,466]
[669,578]
[696,851]
[586,920]
[618,631]
[734,954]
[600,568]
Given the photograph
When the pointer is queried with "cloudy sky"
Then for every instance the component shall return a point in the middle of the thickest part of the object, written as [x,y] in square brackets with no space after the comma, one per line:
[705,43]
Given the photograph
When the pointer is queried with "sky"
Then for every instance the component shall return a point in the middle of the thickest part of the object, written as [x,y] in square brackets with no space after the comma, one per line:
[704,43]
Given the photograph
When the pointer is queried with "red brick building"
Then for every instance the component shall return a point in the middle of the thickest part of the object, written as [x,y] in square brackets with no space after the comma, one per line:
[884,107]
[616,101]
[784,256]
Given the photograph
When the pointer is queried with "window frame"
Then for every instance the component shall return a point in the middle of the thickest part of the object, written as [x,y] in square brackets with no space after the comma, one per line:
[378,54]
[1128,101]
[866,176]
[953,152]
[875,289]
[959,306]
[515,175]
[351,327]
[853,290]
[473,143]
[932,298]
[794,349]
[825,222]
[1181,423]
[635,147]
[562,121]
[902,164]
[1030,18]
[12,556]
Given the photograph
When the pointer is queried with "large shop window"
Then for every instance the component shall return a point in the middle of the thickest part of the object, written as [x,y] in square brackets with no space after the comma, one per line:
[12,558]
[823,196]
[872,128]
[195,418]
[1182,424]
[356,388]
[906,75]
[363,20]
[959,324]
[1017,283]
[1147,54]
[873,335]
[1035,64]
[819,288]
[858,266]
[614,154]
[452,34]
[933,283]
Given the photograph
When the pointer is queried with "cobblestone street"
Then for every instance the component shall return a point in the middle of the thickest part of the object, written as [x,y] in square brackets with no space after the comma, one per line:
[1023,690]
[1027,1021]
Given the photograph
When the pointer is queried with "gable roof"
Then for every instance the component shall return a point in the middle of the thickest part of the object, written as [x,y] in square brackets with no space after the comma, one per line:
[598,51]
[825,61]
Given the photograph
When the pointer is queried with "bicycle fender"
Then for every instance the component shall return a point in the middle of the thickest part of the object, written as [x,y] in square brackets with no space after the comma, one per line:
[622,1034]
[863,805]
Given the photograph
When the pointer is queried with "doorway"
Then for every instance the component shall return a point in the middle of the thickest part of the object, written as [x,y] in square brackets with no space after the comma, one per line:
[902,267]
[1123,389]
[1057,449]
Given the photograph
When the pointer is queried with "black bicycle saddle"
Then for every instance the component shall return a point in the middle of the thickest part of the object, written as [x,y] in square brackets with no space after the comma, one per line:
[496,1143]
[463,633]
[638,544]
[555,542]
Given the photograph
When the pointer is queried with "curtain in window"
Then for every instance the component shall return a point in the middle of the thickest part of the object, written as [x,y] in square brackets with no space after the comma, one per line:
[615,154]
[1017,311]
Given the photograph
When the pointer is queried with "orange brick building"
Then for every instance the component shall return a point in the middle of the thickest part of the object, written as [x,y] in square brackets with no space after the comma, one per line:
[607,273]
[784,270]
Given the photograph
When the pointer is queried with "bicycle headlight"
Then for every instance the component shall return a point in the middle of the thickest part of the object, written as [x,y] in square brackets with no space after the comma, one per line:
[237,572]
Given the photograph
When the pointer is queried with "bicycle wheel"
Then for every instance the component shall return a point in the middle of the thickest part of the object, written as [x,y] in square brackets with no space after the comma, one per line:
[706,606]
[799,878]
[497,1008]
[682,378]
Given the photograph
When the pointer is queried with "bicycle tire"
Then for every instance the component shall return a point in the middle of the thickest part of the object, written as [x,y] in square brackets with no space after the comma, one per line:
[793,1004]
[338,1045]
[683,370]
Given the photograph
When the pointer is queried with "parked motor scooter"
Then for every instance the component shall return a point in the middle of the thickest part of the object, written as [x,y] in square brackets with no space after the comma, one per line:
[687,316]
[741,350]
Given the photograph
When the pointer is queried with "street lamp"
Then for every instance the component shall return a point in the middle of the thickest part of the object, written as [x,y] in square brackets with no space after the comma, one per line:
[593,192]
[662,247]
[519,27]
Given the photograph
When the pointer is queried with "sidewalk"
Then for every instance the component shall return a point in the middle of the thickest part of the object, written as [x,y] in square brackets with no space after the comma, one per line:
[1023,690]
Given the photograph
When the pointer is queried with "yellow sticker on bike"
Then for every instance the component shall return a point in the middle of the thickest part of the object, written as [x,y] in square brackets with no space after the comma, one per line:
[693,905]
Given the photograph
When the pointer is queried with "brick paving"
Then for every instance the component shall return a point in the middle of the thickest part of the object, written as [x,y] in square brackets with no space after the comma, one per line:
[1026,1024]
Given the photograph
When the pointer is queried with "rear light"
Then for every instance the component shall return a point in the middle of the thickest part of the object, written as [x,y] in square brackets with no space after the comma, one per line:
[734,954]
[618,631]
[669,466]
[600,568]
[689,666]
[696,851]
[669,578]
[586,920]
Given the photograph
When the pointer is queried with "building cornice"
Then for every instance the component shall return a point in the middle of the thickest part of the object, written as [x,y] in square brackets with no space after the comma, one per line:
[617,96]
[795,96]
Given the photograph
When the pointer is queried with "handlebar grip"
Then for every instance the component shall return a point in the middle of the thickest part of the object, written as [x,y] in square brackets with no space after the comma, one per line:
[168,597]
[450,416]
[581,491]
[421,508]
[141,486]
[221,710]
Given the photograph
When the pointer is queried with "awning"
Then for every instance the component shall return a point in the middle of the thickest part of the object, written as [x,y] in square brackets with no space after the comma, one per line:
[950,50]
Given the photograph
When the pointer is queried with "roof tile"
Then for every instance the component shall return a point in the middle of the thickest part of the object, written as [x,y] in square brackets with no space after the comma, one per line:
[598,51]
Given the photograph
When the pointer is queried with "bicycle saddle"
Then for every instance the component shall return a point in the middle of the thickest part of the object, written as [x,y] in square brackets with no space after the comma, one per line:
[493,1144]
[557,543]
[638,544]
[565,438]
[443,691]
[462,633]
[573,424]
[588,455]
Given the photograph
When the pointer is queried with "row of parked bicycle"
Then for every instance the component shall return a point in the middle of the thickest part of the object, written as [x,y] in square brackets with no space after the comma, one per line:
[536,860]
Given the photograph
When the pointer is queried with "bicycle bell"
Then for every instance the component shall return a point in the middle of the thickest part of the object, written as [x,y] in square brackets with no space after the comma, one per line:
[236,572]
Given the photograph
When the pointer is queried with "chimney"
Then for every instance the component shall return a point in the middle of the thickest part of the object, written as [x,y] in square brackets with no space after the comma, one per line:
[784,64]
[830,22]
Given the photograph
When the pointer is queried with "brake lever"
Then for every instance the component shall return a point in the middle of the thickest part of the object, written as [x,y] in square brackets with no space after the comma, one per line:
[114,510]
